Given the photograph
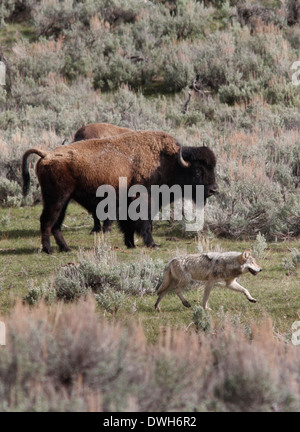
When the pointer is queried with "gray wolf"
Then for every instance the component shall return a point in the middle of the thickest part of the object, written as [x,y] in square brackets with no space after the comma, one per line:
[210,268]
[75,171]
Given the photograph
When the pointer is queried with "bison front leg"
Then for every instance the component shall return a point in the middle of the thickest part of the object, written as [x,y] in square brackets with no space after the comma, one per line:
[97,225]
[129,238]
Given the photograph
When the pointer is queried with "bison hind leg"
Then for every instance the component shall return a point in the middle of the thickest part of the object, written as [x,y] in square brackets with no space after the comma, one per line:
[51,219]
[129,240]
[56,230]
[107,224]
[144,229]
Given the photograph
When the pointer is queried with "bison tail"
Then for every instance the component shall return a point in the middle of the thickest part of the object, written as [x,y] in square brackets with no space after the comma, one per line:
[25,172]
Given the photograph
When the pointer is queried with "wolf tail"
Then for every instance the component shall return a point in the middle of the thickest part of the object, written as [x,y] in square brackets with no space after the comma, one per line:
[166,280]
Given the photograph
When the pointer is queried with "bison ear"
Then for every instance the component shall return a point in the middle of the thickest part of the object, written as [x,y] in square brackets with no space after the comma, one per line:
[245,255]
[181,161]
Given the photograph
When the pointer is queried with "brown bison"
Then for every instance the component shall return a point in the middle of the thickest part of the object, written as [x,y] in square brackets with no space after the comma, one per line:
[99,130]
[77,170]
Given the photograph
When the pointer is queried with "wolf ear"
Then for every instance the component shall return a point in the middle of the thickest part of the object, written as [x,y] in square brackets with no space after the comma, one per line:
[245,255]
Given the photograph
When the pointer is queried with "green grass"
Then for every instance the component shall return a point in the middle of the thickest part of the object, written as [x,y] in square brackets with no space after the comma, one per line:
[11,33]
[22,263]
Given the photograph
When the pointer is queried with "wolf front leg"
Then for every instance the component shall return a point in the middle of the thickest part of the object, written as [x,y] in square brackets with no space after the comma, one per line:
[207,289]
[235,286]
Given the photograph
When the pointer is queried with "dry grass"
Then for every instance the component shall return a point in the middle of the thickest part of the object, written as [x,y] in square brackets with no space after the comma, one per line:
[64,358]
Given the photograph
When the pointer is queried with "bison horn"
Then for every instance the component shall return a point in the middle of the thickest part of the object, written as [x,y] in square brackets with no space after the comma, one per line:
[181,161]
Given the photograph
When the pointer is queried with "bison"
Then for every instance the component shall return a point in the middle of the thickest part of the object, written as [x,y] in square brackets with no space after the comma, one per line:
[75,171]
[99,130]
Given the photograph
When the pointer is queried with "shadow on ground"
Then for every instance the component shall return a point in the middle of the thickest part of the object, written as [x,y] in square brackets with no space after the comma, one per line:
[17,233]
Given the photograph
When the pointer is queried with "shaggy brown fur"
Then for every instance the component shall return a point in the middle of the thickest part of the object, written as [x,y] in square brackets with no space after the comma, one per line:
[77,170]
[99,130]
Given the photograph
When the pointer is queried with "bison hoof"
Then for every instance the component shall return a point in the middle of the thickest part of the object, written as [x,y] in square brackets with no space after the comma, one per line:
[107,230]
[130,245]
[153,245]
[65,249]
[95,230]
[47,250]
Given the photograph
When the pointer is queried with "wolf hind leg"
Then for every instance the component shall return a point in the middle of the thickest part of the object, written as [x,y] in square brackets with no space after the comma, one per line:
[184,279]
[183,299]
[166,286]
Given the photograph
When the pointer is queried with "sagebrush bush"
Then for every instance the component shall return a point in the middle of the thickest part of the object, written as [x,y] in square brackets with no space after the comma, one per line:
[260,245]
[111,300]
[16,10]
[69,284]
[100,272]
[201,319]
[292,263]
[37,294]
[10,193]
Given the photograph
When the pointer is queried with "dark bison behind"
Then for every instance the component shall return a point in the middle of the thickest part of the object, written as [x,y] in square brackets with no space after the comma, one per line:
[99,130]
[75,171]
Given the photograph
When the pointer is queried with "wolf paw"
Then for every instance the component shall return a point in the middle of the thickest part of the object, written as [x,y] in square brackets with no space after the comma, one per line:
[186,304]
[252,300]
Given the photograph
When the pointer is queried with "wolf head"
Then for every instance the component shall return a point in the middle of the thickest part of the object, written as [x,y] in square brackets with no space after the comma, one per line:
[248,263]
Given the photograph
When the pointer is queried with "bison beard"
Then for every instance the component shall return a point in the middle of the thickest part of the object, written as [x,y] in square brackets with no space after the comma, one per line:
[77,170]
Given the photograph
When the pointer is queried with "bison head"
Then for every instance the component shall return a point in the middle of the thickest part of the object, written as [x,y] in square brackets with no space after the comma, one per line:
[198,168]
